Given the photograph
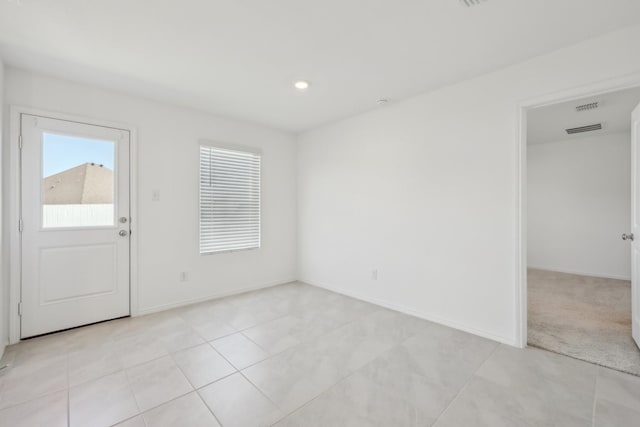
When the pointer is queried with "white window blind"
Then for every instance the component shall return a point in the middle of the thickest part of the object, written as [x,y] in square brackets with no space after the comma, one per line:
[229,200]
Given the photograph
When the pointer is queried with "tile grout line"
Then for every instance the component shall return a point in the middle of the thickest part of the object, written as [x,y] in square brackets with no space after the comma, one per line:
[466,384]
[31,399]
[130,418]
[190,328]
[344,378]
[341,379]
[261,323]
[218,353]
[135,399]
[124,369]
[196,390]
[141,413]
[193,388]
[193,328]
[239,371]
[261,392]
[68,395]
[68,407]
[38,396]
[231,363]
[116,338]
[208,408]
[595,397]
[141,333]
[296,345]
[258,345]
[315,397]
[241,331]
[301,342]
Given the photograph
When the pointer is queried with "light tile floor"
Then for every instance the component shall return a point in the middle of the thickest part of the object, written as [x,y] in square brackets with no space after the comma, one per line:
[296,355]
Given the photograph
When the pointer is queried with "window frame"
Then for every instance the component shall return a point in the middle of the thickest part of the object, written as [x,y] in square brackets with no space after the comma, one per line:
[233,148]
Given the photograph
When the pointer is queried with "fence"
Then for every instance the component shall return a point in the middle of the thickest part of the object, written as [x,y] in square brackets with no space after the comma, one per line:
[77,215]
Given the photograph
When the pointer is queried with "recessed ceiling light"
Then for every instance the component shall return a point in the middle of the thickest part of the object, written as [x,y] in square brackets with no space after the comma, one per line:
[301,85]
[382,101]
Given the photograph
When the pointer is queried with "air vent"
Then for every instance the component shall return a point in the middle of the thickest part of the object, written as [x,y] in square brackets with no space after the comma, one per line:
[587,107]
[584,129]
[470,3]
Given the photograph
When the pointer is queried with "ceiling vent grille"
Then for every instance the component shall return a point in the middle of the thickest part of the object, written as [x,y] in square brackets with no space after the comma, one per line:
[584,129]
[470,3]
[587,107]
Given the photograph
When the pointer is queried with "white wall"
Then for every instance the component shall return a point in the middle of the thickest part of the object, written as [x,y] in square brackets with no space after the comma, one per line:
[425,191]
[578,205]
[4,276]
[168,161]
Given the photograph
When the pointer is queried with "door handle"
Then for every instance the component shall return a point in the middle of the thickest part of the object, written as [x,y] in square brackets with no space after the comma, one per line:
[123,233]
[626,236]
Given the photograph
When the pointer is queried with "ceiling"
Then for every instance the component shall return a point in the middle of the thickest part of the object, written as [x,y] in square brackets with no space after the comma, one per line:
[239,57]
[548,124]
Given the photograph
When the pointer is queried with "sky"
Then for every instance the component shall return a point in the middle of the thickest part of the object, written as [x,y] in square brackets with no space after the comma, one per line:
[62,152]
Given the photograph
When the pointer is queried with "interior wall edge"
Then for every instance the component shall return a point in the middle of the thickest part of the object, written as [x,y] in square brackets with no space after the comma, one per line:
[4,277]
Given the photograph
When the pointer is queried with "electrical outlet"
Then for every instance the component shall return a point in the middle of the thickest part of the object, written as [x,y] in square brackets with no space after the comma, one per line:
[155,195]
[374,274]
[184,276]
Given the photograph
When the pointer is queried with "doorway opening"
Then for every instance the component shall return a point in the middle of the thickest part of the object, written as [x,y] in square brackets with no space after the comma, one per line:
[578,205]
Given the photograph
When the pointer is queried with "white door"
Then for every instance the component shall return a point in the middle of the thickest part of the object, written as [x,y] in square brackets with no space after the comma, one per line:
[75,224]
[635,226]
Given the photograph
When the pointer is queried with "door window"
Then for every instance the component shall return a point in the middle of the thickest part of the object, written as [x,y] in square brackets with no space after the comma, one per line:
[77,181]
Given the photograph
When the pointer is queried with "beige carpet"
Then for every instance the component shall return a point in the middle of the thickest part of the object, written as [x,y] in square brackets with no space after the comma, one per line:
[588,318]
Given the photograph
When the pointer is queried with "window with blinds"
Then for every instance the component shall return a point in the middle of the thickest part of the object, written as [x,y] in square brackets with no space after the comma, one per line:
[229,200]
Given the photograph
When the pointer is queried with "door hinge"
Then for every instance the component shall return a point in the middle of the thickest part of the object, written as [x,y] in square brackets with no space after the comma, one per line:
[20,225]
[20,309]
[20,142]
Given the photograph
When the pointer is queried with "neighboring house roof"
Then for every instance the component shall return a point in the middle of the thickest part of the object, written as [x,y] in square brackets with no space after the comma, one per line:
[89,183]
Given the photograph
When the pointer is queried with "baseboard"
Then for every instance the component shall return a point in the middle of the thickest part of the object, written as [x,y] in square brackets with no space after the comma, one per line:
[411,312]
[169,306]
[580,273]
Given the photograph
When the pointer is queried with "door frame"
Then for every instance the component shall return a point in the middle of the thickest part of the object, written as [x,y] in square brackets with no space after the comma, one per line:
[15,205]
[628,81]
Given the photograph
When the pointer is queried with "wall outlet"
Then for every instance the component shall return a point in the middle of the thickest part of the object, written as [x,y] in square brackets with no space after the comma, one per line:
[374,274]
[184,276]
[155,196]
